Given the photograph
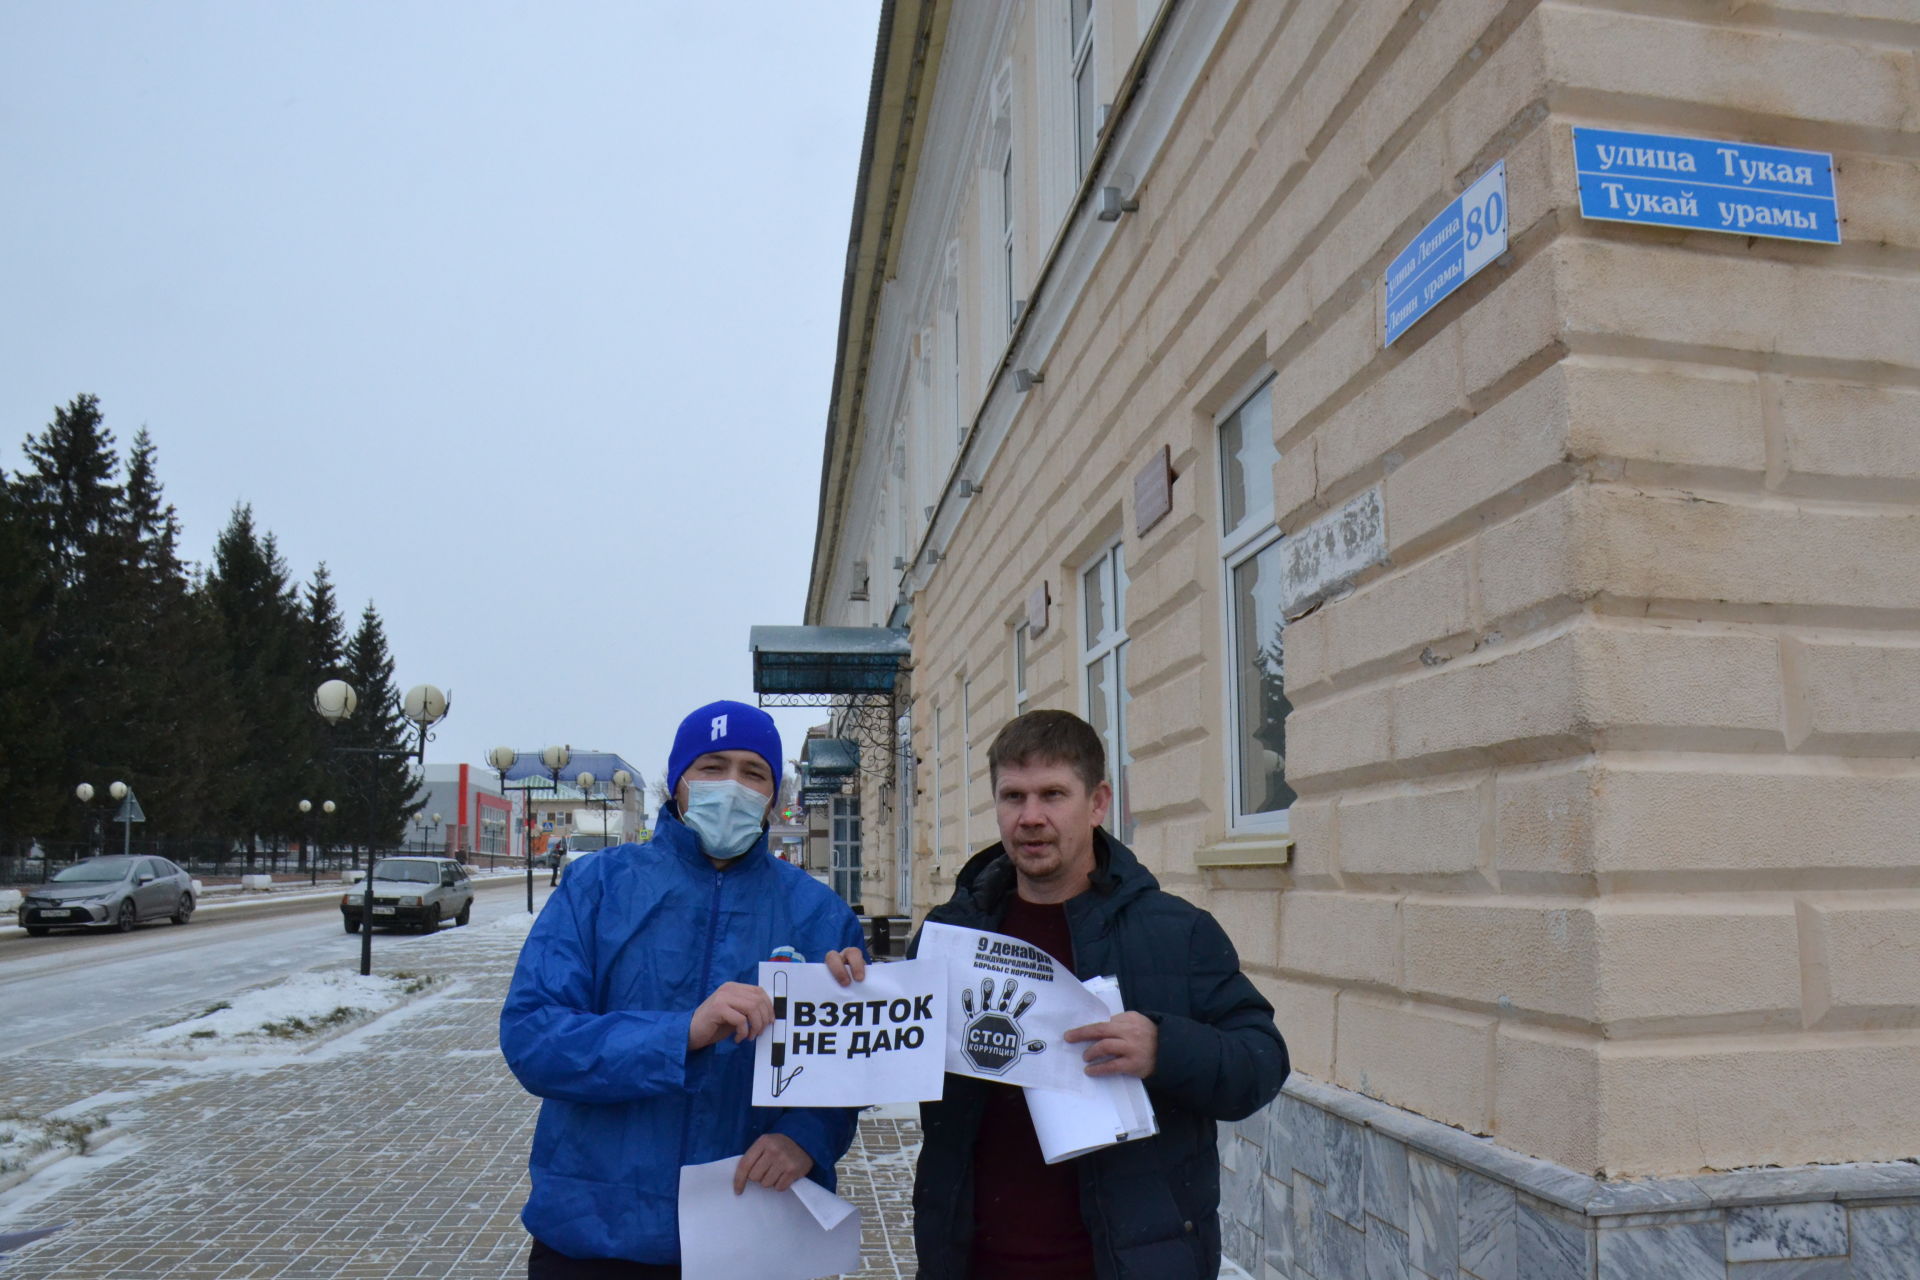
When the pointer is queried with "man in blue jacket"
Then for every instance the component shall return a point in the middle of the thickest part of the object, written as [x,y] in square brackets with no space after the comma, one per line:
[986,1205]
[633,1010]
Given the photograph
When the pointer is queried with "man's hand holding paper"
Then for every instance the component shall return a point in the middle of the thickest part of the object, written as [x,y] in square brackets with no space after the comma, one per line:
[774,1161]
[736,1009]
[1127,1044]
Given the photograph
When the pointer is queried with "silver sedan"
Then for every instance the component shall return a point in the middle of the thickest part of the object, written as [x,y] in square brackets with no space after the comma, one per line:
[115,892]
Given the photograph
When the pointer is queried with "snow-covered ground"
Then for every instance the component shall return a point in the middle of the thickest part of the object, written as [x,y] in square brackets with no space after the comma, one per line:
[129,982]
[315,1014]
[310,1016]
[18,1201]
[23,1140]
[302,1008]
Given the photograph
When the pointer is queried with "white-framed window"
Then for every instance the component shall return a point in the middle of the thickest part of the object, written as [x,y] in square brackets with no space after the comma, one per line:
[1006,239]
[845,836]
[1021,638]
[1103,660]
[1250,549]
[1086,110]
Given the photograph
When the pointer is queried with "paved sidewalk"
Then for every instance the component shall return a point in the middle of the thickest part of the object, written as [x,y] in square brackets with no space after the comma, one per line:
[398,1150]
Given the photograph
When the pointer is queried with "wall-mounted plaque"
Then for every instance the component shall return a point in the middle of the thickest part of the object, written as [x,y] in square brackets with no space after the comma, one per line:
[1153,491]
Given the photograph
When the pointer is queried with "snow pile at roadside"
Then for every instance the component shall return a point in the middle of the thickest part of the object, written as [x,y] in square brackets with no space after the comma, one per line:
[300,1010]
[24,1141]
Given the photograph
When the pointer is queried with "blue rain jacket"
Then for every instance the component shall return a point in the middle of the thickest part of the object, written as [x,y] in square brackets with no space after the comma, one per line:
[596,1024]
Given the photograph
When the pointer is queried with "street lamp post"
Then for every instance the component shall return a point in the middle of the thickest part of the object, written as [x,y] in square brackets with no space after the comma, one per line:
[306,842]
[556,759]
[309,853]
[502,759]
[326,808]
[120,791]
[621,779]
[423,704]
[84,794]
[585,781]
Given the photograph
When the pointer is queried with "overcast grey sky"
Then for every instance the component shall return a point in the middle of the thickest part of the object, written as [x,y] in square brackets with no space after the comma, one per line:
[519,315]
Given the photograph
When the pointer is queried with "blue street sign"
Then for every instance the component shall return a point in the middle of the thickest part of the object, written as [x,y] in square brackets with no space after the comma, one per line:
[1741,188]
[1449,251]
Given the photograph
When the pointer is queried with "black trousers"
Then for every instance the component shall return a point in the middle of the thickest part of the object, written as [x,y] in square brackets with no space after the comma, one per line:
[550,1264]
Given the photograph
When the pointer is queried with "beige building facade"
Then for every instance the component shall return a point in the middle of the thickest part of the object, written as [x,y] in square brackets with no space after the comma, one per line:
[1535,698]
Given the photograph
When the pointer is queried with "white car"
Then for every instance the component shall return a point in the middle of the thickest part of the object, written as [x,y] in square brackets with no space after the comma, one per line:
[418,892]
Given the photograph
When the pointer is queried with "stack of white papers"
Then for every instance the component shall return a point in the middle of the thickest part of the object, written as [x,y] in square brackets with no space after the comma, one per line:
[802,1233]
[1114,1110]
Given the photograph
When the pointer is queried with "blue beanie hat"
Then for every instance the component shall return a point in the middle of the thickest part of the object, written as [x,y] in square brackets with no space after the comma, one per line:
[724,726]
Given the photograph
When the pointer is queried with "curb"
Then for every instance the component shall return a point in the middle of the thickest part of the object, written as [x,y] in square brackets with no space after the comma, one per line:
[54,1155]
[284,903]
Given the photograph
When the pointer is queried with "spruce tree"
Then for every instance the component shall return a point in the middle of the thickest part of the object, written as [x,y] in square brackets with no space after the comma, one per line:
[31,751]
[326,631]
[264,650]
[150,624]
[151,523]
[326,656]
[118,660]
[68,490]
[213,740]
[380,726]
[73,514]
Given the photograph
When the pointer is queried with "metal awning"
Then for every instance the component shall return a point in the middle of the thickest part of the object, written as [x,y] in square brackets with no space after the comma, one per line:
[827,660]
[830,759]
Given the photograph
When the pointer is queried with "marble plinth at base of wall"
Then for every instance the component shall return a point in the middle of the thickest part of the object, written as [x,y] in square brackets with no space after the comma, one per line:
[1325,1184]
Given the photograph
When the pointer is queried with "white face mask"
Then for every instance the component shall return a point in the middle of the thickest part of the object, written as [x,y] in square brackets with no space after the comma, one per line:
[726,815]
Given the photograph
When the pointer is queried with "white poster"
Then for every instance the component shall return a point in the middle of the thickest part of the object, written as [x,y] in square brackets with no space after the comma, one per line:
[1012,1006]
[801,1233]
[1118,1110]
[880,1040]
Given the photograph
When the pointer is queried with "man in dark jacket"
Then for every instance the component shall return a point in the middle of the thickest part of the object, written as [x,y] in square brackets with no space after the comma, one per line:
[986,1205]
[634,1007]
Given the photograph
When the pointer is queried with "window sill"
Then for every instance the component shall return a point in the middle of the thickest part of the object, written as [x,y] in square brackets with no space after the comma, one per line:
[1267,849]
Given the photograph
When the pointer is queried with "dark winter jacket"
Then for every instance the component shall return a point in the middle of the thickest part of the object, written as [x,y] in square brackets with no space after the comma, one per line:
[596,1024]
[1151,1206]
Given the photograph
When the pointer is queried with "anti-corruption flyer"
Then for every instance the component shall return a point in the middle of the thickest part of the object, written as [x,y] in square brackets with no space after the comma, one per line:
[879,1040]
[1010,1007]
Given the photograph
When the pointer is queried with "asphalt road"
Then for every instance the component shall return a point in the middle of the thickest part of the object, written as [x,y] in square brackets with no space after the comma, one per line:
[82,986]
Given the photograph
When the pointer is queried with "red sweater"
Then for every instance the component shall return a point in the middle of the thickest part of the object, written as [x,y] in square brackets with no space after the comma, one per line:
[1026,1213]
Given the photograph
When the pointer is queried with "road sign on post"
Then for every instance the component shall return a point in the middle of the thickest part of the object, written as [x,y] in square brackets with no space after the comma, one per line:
[1449,251]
